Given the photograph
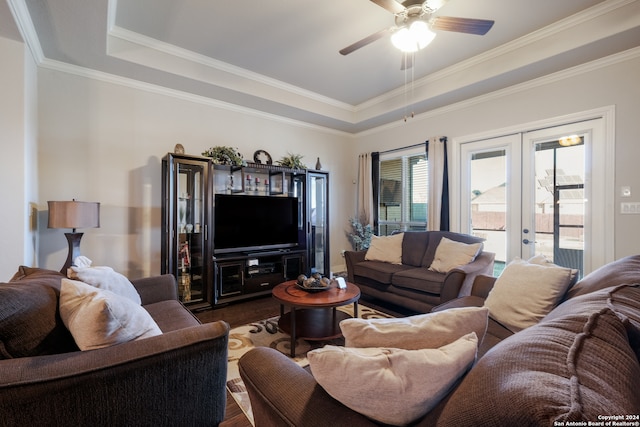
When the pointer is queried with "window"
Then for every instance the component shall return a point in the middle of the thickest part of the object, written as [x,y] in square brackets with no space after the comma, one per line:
[403,193]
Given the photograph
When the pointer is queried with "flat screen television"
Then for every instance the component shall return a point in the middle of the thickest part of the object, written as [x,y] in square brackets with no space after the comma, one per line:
[254,223]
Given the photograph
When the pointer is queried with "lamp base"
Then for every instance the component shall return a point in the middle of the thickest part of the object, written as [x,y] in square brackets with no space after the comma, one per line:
[74,250]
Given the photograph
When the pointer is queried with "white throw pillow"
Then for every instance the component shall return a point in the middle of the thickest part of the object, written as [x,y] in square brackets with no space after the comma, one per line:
[99,318]
[542,260]
[385,249]
[525,293]
[105,278]
[451,254]
[431,330]
[390,385]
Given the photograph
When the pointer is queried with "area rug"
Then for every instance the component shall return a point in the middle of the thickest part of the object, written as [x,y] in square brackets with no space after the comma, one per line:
[266,333]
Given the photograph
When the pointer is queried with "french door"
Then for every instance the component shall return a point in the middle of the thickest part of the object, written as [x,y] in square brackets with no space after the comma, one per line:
[538,192]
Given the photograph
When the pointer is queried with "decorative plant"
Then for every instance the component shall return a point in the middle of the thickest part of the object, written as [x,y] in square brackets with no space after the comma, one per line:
[360,235]
[293,161]
[222,155]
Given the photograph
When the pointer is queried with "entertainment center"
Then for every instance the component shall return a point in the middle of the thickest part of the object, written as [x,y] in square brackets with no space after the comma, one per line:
[234,232]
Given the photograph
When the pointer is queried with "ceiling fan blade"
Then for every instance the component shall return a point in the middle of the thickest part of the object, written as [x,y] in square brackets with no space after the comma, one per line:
[407,61]
[391,5]
[461,25]
[365,41]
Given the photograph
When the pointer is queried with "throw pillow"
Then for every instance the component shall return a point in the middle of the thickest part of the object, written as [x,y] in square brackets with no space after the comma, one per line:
[431,330]
[542,260]
[525,293]
[385,249]
[392,386]
[99,318]
[451,254]
[105,278]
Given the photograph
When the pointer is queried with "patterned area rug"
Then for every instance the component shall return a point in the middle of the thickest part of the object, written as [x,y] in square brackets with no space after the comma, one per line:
[266,333]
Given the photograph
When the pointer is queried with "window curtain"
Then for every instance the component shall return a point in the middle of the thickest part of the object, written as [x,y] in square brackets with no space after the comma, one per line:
[364,202]
[438,215]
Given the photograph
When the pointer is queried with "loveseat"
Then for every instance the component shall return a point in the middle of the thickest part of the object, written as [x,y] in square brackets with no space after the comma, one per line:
[412,284]
[579,364]
[175,378]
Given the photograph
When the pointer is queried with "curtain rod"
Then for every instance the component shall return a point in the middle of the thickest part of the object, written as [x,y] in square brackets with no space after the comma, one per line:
[393,150]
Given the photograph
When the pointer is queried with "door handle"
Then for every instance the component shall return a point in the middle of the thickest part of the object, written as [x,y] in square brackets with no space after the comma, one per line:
[528,242]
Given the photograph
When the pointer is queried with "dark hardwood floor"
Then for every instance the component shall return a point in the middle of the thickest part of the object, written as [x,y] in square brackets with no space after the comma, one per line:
[253,310]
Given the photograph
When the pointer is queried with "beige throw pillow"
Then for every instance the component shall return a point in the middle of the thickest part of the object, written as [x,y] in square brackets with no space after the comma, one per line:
[385,249]
[525,293]
[451,254]
[392,386]
[431,330]
[99,318]
[105,278]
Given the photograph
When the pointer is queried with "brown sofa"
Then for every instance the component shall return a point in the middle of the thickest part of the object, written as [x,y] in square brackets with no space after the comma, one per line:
[177,378]
[579,363]
[412,285]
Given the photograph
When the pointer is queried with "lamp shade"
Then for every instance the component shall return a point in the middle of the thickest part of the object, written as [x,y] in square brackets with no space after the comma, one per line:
[74,214]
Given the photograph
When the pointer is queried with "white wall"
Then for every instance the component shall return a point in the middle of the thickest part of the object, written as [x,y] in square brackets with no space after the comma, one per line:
[18,179]
[609,82]
[104,142]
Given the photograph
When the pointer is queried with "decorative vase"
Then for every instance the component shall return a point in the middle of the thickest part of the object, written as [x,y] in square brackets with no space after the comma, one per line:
[318,164]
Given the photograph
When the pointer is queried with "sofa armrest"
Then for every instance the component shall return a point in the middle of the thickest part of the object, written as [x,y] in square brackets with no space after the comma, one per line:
[462,302]
[156,288]
[483,264]
[284,394]
[177,378]
[352,258]
[482,285]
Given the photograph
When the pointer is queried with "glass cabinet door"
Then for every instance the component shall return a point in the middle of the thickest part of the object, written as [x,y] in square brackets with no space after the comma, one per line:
[318,211]
[186,241]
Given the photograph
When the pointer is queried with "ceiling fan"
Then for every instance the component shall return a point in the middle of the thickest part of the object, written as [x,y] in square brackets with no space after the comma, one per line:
[417,20]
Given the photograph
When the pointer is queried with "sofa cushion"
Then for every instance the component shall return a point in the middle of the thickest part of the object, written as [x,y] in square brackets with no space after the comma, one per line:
[414,245]
[581,364]
[377,270]
[99,318]
[419,279]
[431,330]
[624,270]
[434,241]
[30,323]
[385,249]
[451,254]
[525,293]
[624,300]
[392,386]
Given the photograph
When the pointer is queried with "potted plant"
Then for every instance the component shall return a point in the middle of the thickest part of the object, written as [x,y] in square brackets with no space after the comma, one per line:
[222,155]
[293,161]
[360,235]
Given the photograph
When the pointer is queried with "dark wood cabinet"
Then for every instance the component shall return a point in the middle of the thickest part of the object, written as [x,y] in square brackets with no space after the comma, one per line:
[272,225]
[186,239]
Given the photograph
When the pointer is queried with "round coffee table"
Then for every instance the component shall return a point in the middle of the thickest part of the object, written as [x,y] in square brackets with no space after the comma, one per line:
[313,315]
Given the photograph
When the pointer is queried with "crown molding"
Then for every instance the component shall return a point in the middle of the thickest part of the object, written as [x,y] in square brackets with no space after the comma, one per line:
[597,64]
[178,94]
[27,30]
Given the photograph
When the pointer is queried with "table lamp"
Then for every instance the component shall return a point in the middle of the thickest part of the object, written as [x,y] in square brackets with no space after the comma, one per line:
[73,214]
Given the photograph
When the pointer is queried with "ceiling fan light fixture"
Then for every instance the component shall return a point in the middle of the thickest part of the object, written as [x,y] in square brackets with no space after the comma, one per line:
[413,37]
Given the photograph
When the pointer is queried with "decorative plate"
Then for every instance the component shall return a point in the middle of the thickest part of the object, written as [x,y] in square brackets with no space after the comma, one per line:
[262,156]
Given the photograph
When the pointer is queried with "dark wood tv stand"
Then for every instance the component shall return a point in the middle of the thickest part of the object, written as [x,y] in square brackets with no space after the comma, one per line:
[243,275]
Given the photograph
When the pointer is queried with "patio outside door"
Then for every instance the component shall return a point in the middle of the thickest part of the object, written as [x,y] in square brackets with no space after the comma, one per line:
[534,193]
